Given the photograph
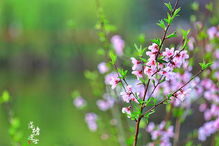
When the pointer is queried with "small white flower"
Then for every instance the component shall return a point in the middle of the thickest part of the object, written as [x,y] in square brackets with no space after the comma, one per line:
[35,132]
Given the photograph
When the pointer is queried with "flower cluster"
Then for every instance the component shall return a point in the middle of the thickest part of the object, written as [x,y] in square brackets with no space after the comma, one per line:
[160,134]
[208,129]
[164,65]
[91,120]
[35,132]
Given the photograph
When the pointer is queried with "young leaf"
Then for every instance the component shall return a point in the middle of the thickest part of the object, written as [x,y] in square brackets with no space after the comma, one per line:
[160,60]
[156,41]
[171,35]
[205,65]
[161,24]
[169,6]
[140,50]
[176,12]
[185,33]
[112,57]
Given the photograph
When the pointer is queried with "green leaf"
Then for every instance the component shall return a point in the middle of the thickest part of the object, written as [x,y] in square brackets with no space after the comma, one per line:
[147,115]
[161,24]
[169,6]
[122,72]
[169,19]
[143,59]
[185,33]
[157,41]
[171,35]
[160,60]
[5,97]
[163,80]
[140,50]
[176,13]
[169,95]
[209,7]
[195,6]
[205,65]
[112,57]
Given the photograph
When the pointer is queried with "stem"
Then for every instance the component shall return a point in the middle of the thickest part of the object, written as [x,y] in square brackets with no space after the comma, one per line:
[177,132]
[137,131]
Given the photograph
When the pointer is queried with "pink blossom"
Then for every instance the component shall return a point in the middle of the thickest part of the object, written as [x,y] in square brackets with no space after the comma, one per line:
[90,119]
[150,127]
[138,73]
[118,44]
[202,107]
[153,48]
[136,64]
[208,129]
[102,67]
[191,43]
[127,110]
[114,82]
[79,102]
[127,95]
[149,71]
[212,32]
[153,51]
[105,104]
[152,63]
[109,77]
[168,52]
[217,53]
[184,55]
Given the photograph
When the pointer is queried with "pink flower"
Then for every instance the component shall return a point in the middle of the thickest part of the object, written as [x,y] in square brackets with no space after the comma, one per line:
[105,104]
[90,119]
[152,63]
[154,48]
[109,77]
[102,67]
[167,72]
[79,102]
[114,82]
[127,95]
[191,43]
[217,54]
[127,110]
[138,73]
[202,107]
[136,64]
[150,127]
[118,44]
[149,71]
[212,32]
[153,51]
[168,52]
[184,55]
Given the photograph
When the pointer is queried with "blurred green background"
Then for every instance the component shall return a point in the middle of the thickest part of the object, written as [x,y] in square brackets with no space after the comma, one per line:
[45,45]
